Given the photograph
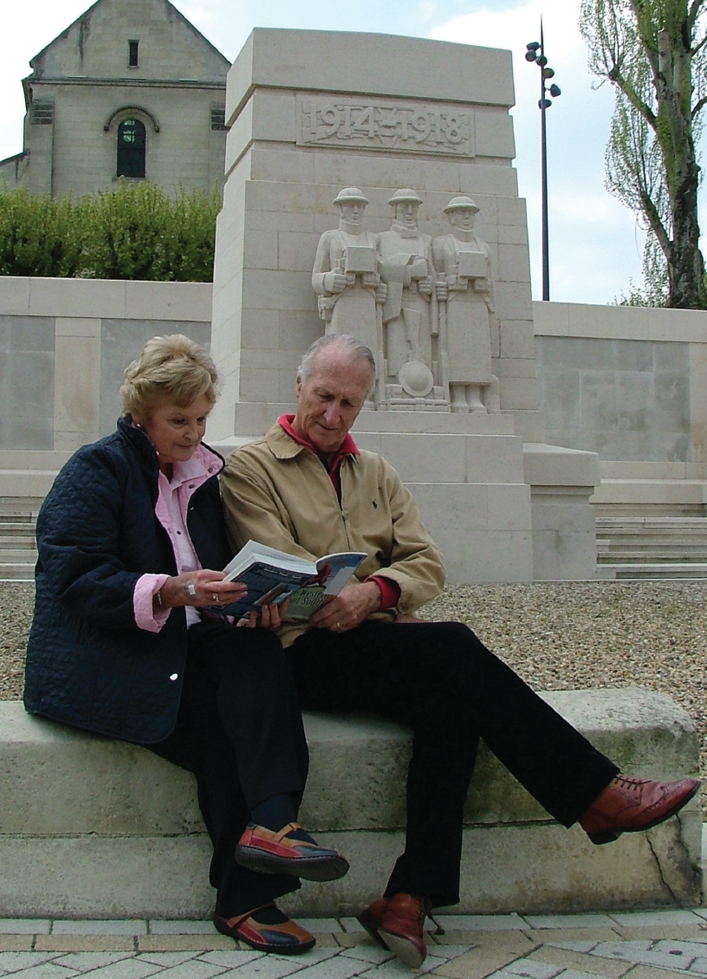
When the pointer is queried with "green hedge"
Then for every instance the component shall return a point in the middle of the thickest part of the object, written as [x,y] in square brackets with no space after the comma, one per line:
[134,232]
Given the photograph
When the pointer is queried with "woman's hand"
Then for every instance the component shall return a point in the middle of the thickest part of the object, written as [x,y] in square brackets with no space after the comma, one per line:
[199,588]
[268,617]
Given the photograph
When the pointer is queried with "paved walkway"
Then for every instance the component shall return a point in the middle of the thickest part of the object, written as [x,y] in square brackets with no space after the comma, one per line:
[639,945]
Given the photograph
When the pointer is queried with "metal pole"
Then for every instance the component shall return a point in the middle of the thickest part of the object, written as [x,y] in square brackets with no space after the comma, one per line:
[543,155]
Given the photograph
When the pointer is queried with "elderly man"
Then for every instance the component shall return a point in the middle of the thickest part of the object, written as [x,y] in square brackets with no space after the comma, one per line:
[306,488]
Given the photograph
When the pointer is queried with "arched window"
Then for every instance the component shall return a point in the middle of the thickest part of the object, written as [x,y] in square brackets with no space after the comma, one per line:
[131,148]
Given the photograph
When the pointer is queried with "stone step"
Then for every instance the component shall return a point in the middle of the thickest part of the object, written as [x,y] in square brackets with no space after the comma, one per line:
[18,555]
[19,571]
[630,520]
[669,552]
[660,570]
[18,536]
[657,541]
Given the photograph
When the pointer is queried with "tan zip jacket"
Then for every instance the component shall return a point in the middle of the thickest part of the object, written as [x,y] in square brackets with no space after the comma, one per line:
[278,492]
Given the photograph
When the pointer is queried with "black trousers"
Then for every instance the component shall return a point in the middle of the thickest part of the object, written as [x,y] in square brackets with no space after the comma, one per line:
[240,731]
[442,682]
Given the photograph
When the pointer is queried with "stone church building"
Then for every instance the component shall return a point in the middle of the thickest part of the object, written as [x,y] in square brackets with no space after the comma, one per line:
[130,89]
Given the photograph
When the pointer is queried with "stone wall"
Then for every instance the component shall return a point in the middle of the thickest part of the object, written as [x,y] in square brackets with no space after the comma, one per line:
[631,385]
[64,344]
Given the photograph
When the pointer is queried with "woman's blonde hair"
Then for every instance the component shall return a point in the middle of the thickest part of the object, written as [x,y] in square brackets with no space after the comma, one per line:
[170,368]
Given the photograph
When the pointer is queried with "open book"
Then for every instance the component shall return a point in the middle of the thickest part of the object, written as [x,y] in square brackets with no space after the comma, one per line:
[273,576]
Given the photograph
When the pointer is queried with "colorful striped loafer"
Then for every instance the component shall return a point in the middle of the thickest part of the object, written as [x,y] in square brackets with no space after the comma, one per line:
[274,932]
[279,853]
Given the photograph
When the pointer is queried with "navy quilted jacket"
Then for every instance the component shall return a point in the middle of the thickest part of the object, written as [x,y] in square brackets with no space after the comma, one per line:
[88,664]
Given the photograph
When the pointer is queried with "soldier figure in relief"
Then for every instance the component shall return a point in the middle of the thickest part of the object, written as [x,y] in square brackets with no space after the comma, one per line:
[409,313]
[346,274]
[465,292]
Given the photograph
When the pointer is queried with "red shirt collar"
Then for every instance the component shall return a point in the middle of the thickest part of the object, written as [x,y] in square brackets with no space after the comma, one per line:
[347,447]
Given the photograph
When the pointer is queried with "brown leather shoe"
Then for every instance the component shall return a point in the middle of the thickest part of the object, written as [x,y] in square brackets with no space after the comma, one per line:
[629,805]
[268,852]
[285,938]
[396,923]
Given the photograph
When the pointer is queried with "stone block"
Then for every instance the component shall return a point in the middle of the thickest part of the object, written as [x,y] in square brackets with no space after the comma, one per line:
[513,263]
[518,340]
[261,251]
[258,384]
[85,298]
[76,389]
[491,459]
[515,367]
[283,165]
[494,132]
[688,325]
[512,300]
[520,394]
[491,180]
[94,828]
[168,301]
[552,465]
[15,295]
[551,319]
[508,507]
[333,61]
[294,251]
[71,326]
[563,510]
[426,459]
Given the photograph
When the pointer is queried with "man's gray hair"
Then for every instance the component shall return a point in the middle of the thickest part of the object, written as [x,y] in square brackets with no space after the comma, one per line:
[356,349]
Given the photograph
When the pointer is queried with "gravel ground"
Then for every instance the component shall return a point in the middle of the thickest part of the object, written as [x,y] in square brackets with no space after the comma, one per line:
[570,635]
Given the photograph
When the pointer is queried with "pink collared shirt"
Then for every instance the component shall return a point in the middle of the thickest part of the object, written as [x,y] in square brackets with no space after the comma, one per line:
[171,510]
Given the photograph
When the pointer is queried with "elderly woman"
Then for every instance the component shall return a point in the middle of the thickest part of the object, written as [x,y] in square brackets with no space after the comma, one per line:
[125,641]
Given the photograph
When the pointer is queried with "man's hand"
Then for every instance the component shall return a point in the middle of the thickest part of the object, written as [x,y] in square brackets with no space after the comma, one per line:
[349,608]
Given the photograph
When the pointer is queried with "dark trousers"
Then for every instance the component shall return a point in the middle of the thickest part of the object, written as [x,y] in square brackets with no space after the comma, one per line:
[442,682]
[240,732]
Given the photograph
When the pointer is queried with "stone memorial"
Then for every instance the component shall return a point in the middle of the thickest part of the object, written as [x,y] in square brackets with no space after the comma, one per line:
[328,132]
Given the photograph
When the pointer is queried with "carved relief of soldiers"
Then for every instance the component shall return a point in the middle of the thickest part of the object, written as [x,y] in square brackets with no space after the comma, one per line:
[346,273]
[465,293]
[409,312]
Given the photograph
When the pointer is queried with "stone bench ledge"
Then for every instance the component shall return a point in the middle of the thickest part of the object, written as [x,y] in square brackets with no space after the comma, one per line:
[95,827]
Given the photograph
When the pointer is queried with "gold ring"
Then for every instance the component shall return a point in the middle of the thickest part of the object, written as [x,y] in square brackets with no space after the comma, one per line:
[214,596]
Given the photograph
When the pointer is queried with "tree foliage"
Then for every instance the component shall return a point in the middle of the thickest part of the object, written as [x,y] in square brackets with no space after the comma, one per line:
[134,232]
[653,52]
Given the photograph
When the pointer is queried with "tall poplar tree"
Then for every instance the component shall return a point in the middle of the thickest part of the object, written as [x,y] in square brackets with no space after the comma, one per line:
[654,53]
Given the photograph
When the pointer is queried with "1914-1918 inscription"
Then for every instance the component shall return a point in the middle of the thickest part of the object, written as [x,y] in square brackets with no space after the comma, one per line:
[385,125]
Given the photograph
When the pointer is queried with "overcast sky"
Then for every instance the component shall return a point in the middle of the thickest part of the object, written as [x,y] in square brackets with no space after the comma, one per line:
[595,245]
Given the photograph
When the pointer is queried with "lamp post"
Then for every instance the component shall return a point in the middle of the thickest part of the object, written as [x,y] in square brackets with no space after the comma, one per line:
[536,53]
